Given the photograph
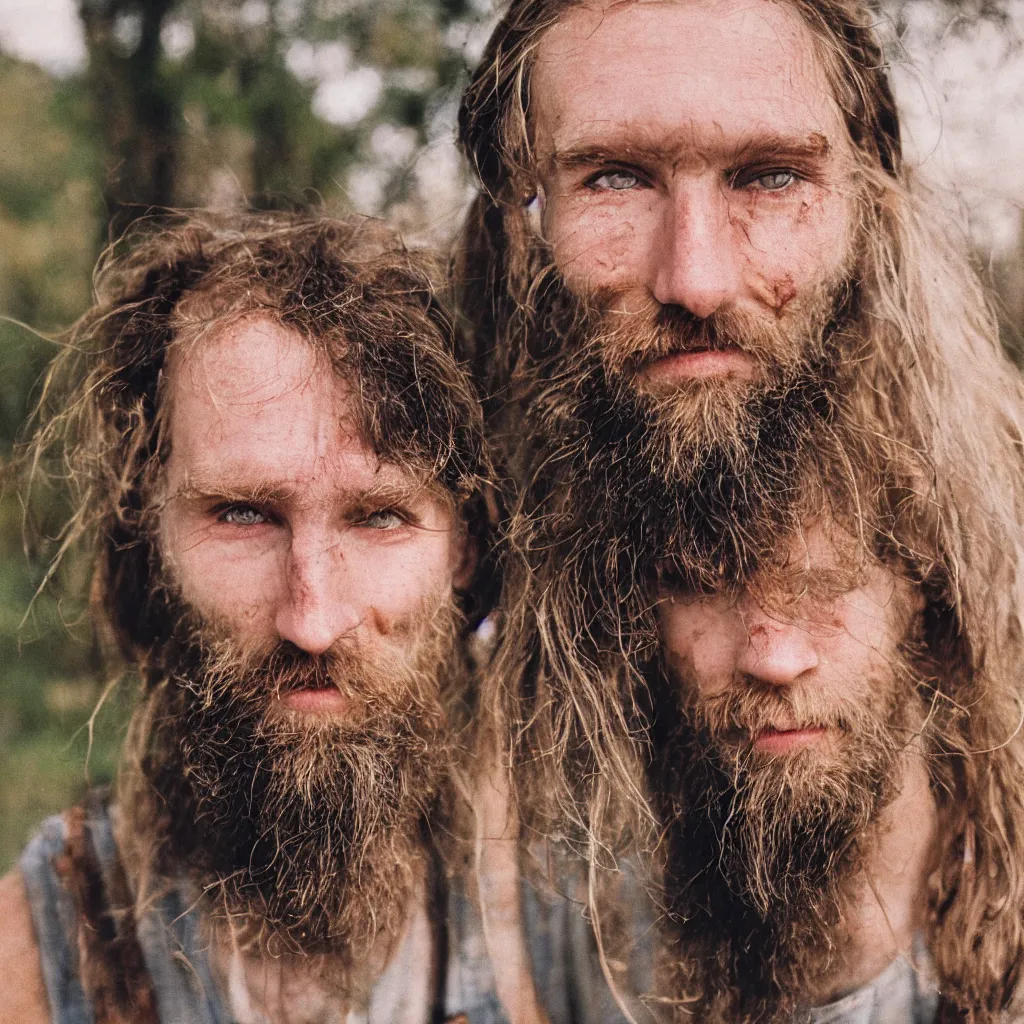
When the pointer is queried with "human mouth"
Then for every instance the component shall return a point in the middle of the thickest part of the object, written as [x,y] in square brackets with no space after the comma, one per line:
[669,371]
[785,741]
[321,700]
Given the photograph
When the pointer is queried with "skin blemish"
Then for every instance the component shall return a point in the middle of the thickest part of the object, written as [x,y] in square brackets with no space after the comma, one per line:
[757,631]
[783,292]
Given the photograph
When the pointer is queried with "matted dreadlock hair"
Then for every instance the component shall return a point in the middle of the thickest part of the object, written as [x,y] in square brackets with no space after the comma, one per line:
[922,448]
[347,285]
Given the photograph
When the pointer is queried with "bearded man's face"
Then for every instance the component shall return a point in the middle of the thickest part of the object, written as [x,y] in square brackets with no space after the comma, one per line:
[691,154]
[297,720]
[784,715]
[698,321]
[695,186]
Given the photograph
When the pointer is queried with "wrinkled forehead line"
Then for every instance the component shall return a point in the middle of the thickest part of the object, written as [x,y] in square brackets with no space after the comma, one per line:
[590,15]
[579,22]
[246,355]
[314,357]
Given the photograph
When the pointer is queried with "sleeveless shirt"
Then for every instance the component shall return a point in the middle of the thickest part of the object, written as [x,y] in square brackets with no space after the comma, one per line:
[177,967]
[569,981]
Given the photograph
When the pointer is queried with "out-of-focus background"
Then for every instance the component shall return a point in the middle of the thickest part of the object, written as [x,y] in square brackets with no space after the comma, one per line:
[109,108]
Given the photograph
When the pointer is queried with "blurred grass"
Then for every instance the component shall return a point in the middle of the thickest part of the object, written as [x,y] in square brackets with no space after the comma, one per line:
[50,686]
[44,771]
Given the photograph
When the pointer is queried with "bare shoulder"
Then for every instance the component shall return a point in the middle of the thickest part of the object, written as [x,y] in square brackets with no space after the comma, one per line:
[22,993]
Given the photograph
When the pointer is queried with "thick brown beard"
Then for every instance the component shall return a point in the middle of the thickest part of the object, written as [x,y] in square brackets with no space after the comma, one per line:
[760,851]
[616,503]
[707,475]
[305,835]
[693,418]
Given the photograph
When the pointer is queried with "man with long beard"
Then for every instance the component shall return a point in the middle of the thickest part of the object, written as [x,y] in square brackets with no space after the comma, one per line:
[280,460]
[709,301]
[799,765]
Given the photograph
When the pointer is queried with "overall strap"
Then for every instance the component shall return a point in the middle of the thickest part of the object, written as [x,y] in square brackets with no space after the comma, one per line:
[89,955]
[103,960]
[112,967]
[55,922]
[158,958]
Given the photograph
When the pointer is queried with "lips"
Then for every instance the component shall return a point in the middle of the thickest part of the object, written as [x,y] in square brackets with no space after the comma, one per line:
[781,741]
[316,699]
[696,364]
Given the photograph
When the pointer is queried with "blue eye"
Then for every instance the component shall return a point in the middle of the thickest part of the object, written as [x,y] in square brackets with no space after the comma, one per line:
[774,181]
[384,519]
[243,515]
[617,181]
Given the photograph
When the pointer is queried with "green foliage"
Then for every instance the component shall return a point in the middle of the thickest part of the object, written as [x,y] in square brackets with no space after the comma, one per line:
[228,115]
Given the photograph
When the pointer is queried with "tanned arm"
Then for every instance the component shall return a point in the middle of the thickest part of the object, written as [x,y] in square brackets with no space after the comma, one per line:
[22,993]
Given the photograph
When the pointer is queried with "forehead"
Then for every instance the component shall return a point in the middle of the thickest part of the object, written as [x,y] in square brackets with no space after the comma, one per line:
[246,370]
[697,73]
[255,402]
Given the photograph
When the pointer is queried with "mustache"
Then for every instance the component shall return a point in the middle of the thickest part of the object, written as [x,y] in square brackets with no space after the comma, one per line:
[731,721]
[218,669]
[286,669]
[623,342]
[630,342]
[754,707]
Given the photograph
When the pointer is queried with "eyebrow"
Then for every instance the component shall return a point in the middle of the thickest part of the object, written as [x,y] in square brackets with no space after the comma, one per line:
[764,147]
[823,583]
[262,492]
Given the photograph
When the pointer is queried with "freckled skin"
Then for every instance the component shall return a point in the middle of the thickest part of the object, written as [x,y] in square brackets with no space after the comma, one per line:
[252,406]
[252,410]
[678,94]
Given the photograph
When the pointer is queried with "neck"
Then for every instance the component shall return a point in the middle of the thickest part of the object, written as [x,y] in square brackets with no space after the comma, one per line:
[267,988]
[888,902]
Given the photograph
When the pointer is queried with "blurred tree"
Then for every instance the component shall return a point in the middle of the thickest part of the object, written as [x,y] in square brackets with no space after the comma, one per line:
[50,204]
[270,101]
[135,103]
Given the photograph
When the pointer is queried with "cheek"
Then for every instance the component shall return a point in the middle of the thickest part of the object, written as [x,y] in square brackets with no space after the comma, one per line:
[873,617]
[238,584]
[395,582]
[600,243]
[711,666]
[787,246]
[697,648]
[861,650]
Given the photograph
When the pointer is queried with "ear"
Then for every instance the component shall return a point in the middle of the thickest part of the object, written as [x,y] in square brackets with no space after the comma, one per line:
[479,518]
[467,559]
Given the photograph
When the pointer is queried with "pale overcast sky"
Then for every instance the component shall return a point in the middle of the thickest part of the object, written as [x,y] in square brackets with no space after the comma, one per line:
[962,97]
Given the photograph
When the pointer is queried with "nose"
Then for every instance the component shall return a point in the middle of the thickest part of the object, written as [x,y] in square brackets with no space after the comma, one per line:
[696,261]
[317,607]
[776,652]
